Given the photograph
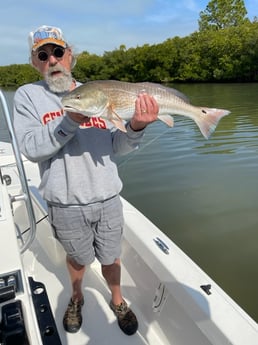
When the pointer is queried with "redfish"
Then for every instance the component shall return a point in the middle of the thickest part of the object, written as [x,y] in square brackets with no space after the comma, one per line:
[115,101]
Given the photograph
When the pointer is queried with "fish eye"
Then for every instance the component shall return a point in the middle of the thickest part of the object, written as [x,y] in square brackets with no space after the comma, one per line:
[78,96]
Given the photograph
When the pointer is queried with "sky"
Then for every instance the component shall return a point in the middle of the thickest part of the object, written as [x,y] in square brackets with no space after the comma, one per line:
[97,26]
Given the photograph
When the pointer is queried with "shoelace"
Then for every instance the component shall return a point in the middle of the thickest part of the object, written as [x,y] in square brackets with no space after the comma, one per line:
[121,309]
[73,311]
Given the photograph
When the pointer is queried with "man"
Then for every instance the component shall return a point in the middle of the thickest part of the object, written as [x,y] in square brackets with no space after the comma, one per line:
[79,177]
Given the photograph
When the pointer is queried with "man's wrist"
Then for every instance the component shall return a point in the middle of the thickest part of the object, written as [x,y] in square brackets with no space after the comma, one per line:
[137,128]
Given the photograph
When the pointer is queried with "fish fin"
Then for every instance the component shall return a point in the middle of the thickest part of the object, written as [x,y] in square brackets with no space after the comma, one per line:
[210,119]
[119,124]
[167,119]
[114,118]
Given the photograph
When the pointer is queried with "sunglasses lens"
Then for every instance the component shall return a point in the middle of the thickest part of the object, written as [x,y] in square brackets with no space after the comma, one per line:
[43,56]
[58,52]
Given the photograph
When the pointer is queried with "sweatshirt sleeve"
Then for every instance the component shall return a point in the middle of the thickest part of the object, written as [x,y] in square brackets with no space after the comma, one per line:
[124,143]
[38,141]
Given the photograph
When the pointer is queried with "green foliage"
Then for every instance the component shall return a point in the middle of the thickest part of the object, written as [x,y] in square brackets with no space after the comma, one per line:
[221,14]
[229,54]
[88,67]
[15,75]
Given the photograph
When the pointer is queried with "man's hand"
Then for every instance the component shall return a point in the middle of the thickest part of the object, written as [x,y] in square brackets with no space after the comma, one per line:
[146,111]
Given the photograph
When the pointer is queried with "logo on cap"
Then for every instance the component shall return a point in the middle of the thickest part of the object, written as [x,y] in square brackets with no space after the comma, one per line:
[46,35]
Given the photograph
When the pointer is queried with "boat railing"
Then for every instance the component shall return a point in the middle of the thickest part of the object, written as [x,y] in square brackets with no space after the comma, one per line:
[25,193]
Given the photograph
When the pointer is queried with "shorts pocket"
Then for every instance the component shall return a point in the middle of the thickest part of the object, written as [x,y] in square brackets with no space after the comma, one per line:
[67,227]
[114,214]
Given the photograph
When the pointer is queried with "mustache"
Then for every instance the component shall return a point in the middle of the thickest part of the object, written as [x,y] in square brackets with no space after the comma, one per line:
[57,68]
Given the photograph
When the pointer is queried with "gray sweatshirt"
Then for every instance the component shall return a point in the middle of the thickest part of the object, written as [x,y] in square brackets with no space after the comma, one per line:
[76,161]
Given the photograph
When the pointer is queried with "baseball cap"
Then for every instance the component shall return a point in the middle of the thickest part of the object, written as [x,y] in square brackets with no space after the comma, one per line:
[46,35]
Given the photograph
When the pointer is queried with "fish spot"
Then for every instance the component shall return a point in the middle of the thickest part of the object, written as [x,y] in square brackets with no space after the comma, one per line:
[78,97]
[204,111]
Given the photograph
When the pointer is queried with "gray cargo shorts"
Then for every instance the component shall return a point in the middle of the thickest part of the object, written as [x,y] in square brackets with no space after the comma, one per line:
[89,231]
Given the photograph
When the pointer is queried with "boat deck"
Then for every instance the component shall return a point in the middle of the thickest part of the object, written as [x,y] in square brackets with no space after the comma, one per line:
[99,323]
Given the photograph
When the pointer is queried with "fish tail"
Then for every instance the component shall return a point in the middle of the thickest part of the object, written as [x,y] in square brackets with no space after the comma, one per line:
[209,120]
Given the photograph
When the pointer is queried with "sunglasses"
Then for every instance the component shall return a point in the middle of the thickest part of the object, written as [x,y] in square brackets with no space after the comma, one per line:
[57,52]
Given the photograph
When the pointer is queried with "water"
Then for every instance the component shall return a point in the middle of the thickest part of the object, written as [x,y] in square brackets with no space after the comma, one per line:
[203,194]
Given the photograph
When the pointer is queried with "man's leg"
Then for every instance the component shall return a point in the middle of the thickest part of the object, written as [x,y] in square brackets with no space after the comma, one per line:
[112,274]
[72,320]
[76,272]
[127,320]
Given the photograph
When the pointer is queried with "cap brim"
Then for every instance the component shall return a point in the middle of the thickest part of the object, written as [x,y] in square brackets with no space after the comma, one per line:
[49,41]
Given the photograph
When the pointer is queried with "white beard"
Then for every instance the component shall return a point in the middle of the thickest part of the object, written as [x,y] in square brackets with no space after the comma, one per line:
[58,84]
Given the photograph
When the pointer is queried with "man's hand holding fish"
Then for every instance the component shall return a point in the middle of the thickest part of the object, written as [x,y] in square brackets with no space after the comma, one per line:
[146,111]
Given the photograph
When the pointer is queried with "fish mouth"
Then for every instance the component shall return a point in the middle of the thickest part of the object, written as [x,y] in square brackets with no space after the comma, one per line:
[72,109]
[89,112]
